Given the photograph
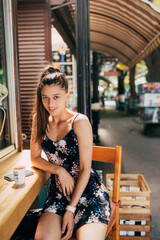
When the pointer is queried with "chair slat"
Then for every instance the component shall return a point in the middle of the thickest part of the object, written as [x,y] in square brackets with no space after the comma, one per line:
[103,154]
[117,174]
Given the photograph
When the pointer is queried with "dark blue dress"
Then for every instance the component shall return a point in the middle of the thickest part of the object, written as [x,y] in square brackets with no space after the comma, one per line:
[94,204]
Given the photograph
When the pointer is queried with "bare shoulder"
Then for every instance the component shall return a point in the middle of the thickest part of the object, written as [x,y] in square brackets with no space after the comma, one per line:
[81,119]
[81,123]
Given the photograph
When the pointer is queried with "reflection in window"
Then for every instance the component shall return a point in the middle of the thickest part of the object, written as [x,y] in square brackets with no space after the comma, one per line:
[5,139]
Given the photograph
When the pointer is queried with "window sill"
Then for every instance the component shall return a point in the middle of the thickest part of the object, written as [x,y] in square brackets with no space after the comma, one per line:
[7,152]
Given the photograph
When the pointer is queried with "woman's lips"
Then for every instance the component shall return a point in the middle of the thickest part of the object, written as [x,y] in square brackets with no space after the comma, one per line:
[52,109]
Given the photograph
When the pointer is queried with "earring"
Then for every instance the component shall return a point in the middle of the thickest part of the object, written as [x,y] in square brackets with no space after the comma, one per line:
[67,105]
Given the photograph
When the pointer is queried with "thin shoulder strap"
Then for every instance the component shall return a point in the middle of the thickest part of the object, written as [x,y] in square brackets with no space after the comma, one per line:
[74,119]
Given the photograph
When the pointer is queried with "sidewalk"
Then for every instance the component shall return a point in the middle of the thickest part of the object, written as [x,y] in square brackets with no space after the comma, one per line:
[140,154]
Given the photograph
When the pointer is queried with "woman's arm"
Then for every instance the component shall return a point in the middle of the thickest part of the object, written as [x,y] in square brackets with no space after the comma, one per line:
[36,150]
[66,180]
[83,131]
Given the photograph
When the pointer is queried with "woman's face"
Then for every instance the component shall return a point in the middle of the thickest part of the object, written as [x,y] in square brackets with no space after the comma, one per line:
[54,99]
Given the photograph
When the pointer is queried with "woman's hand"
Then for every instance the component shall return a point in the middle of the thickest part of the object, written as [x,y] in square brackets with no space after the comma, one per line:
[67,225]
[66,181]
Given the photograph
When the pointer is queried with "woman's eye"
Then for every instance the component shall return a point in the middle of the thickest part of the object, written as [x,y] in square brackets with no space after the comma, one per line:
[56,97]
[45,98]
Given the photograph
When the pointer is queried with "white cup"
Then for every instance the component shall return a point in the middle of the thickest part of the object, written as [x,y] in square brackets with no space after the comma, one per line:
[19,175]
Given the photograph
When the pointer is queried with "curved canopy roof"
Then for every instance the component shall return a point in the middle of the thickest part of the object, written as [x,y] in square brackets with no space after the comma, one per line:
[126,29]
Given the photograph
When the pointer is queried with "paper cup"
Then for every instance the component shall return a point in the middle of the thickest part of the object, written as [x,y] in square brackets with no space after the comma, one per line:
[19,175]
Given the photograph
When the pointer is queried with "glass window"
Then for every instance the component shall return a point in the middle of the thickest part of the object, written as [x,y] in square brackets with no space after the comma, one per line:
[8,126]
[5,139]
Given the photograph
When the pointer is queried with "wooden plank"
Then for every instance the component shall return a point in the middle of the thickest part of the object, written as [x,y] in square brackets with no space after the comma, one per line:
[135,211]
[133,216]
[135,228]
[129,183]
[25,56]
[14,201]
[140,181]
[134,194]
[143,188]
[32,27]
[130,176]
[105,155]
[135,203]
[125,176]
[133,238]
[146,185]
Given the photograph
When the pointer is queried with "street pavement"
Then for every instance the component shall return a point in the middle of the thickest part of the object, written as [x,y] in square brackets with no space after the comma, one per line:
[140,154]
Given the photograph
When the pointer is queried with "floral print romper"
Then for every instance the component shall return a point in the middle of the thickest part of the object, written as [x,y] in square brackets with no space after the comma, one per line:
[94,204]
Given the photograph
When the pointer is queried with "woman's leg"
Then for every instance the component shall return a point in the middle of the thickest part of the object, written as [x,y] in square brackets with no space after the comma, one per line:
[49,227]
[92,231]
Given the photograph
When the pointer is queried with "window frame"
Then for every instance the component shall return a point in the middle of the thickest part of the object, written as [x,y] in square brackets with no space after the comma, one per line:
[10,73]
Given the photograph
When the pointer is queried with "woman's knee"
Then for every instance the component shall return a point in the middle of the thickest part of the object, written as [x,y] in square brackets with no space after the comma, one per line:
[49,227]
[39,237]
[92,231]
[47,236]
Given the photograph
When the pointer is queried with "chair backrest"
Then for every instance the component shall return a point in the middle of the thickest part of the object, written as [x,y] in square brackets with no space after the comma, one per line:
[114,156]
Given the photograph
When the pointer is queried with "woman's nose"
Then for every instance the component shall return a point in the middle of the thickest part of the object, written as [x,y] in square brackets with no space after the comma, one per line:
[51,102]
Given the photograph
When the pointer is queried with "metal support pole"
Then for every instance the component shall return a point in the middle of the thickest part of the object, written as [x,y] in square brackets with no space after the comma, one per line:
[95,99]
[95,78]
[83,57]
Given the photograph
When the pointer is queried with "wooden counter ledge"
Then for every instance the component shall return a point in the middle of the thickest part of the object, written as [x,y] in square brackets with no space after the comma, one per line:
[14,201]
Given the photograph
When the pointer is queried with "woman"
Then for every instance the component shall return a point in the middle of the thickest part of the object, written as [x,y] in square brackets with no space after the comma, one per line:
[77,201]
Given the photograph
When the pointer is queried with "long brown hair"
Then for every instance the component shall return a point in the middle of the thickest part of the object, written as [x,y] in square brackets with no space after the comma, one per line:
[48,76]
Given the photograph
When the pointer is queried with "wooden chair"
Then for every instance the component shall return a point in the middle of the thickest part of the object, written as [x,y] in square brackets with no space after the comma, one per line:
[114,156]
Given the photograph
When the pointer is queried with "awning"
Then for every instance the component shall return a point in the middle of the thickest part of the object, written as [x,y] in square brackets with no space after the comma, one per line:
[126,29]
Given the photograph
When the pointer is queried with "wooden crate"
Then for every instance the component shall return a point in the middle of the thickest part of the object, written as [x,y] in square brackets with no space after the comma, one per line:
[135,196]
